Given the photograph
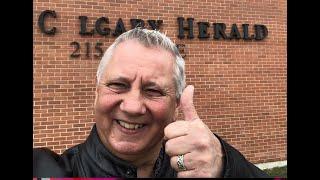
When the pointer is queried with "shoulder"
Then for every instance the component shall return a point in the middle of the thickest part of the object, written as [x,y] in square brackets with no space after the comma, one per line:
[46,163]
[236,165]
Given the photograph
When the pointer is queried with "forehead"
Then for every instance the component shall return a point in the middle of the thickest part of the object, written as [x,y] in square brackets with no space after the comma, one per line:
[131,59]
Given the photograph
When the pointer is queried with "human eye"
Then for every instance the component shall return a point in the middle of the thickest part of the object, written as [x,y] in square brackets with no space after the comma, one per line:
[153,92]
[117,86]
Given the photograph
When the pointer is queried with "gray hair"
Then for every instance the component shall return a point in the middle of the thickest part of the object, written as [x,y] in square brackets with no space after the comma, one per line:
[149,38]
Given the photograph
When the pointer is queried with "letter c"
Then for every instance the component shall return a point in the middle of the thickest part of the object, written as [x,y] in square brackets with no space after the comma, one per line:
[41,19]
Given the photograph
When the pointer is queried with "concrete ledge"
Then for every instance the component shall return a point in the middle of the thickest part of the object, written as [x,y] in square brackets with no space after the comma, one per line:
[270,165]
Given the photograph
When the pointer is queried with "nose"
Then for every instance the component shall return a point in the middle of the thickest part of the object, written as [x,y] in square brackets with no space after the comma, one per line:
[133,104]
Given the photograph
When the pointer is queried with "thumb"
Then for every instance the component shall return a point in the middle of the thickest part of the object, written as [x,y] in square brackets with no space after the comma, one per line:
[187,106]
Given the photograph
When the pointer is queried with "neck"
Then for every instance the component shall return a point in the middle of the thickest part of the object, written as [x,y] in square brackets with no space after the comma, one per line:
[145,161]
[145,171]
[147,158]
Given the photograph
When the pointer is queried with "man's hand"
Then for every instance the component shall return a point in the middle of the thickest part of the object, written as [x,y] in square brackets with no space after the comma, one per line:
[203,156]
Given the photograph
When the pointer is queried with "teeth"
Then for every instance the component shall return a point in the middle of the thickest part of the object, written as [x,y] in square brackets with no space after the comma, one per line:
[130,126]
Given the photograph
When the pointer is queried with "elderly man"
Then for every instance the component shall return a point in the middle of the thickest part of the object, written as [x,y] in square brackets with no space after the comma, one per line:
[140,85]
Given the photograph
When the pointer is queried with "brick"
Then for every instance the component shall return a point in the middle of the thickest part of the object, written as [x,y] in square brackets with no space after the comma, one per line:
[240,85]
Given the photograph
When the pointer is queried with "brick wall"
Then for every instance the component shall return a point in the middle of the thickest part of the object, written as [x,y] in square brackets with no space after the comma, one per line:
[240,85]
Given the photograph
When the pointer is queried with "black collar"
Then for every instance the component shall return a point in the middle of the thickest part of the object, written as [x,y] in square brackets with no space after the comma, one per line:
[115,166]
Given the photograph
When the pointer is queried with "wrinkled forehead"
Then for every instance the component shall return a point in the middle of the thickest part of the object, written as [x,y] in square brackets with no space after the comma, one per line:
[131,58]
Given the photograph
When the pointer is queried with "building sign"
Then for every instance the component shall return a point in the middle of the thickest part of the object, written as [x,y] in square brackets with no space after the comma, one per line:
[216,31]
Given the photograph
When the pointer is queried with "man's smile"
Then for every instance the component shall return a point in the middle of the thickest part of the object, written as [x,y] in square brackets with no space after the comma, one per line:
[135,99]
[131,126]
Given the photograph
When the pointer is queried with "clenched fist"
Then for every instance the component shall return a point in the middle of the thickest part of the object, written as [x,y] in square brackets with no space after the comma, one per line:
[203,155]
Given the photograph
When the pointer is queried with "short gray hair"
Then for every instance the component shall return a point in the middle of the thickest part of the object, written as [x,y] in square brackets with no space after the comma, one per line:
[149,38]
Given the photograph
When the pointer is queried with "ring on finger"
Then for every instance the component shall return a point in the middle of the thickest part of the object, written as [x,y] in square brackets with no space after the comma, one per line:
[180,163]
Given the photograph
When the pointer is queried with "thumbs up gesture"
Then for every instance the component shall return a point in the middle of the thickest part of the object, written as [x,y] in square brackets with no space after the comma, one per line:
[191,137]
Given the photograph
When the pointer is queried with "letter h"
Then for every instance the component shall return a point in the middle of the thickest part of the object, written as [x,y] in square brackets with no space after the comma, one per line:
[189,28]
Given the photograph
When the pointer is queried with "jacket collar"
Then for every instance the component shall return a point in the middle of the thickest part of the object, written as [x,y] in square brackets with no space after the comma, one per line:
[104,159]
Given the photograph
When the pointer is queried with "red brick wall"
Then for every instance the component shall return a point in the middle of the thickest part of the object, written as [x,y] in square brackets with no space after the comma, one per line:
[240,85]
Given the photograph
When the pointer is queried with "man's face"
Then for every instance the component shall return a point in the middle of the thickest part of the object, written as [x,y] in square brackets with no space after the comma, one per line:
[135,98]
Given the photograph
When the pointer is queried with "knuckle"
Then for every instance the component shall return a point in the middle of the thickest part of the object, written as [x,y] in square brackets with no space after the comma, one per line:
[182,175]
[173,162]
[200,161]
[203,174]
[167,130]
[203,160]
[197,124]
[202,143]
[168,147]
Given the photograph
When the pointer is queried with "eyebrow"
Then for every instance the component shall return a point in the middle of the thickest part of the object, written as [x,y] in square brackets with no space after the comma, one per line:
[119,79]
[148,83]
[152,84]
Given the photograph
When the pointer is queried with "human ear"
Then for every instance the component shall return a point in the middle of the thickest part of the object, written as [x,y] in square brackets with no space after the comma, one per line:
[176,112]
[96,92]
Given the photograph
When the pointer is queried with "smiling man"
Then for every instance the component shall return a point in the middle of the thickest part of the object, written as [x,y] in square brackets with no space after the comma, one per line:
[140,85]
[135,101]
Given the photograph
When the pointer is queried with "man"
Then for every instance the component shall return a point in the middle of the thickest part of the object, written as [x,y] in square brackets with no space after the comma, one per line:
[140,85]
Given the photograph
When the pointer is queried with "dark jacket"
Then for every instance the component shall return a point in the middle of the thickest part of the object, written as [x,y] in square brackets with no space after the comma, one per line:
[92,159]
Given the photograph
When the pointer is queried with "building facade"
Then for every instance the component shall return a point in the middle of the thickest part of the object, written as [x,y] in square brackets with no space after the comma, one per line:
[235,54]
